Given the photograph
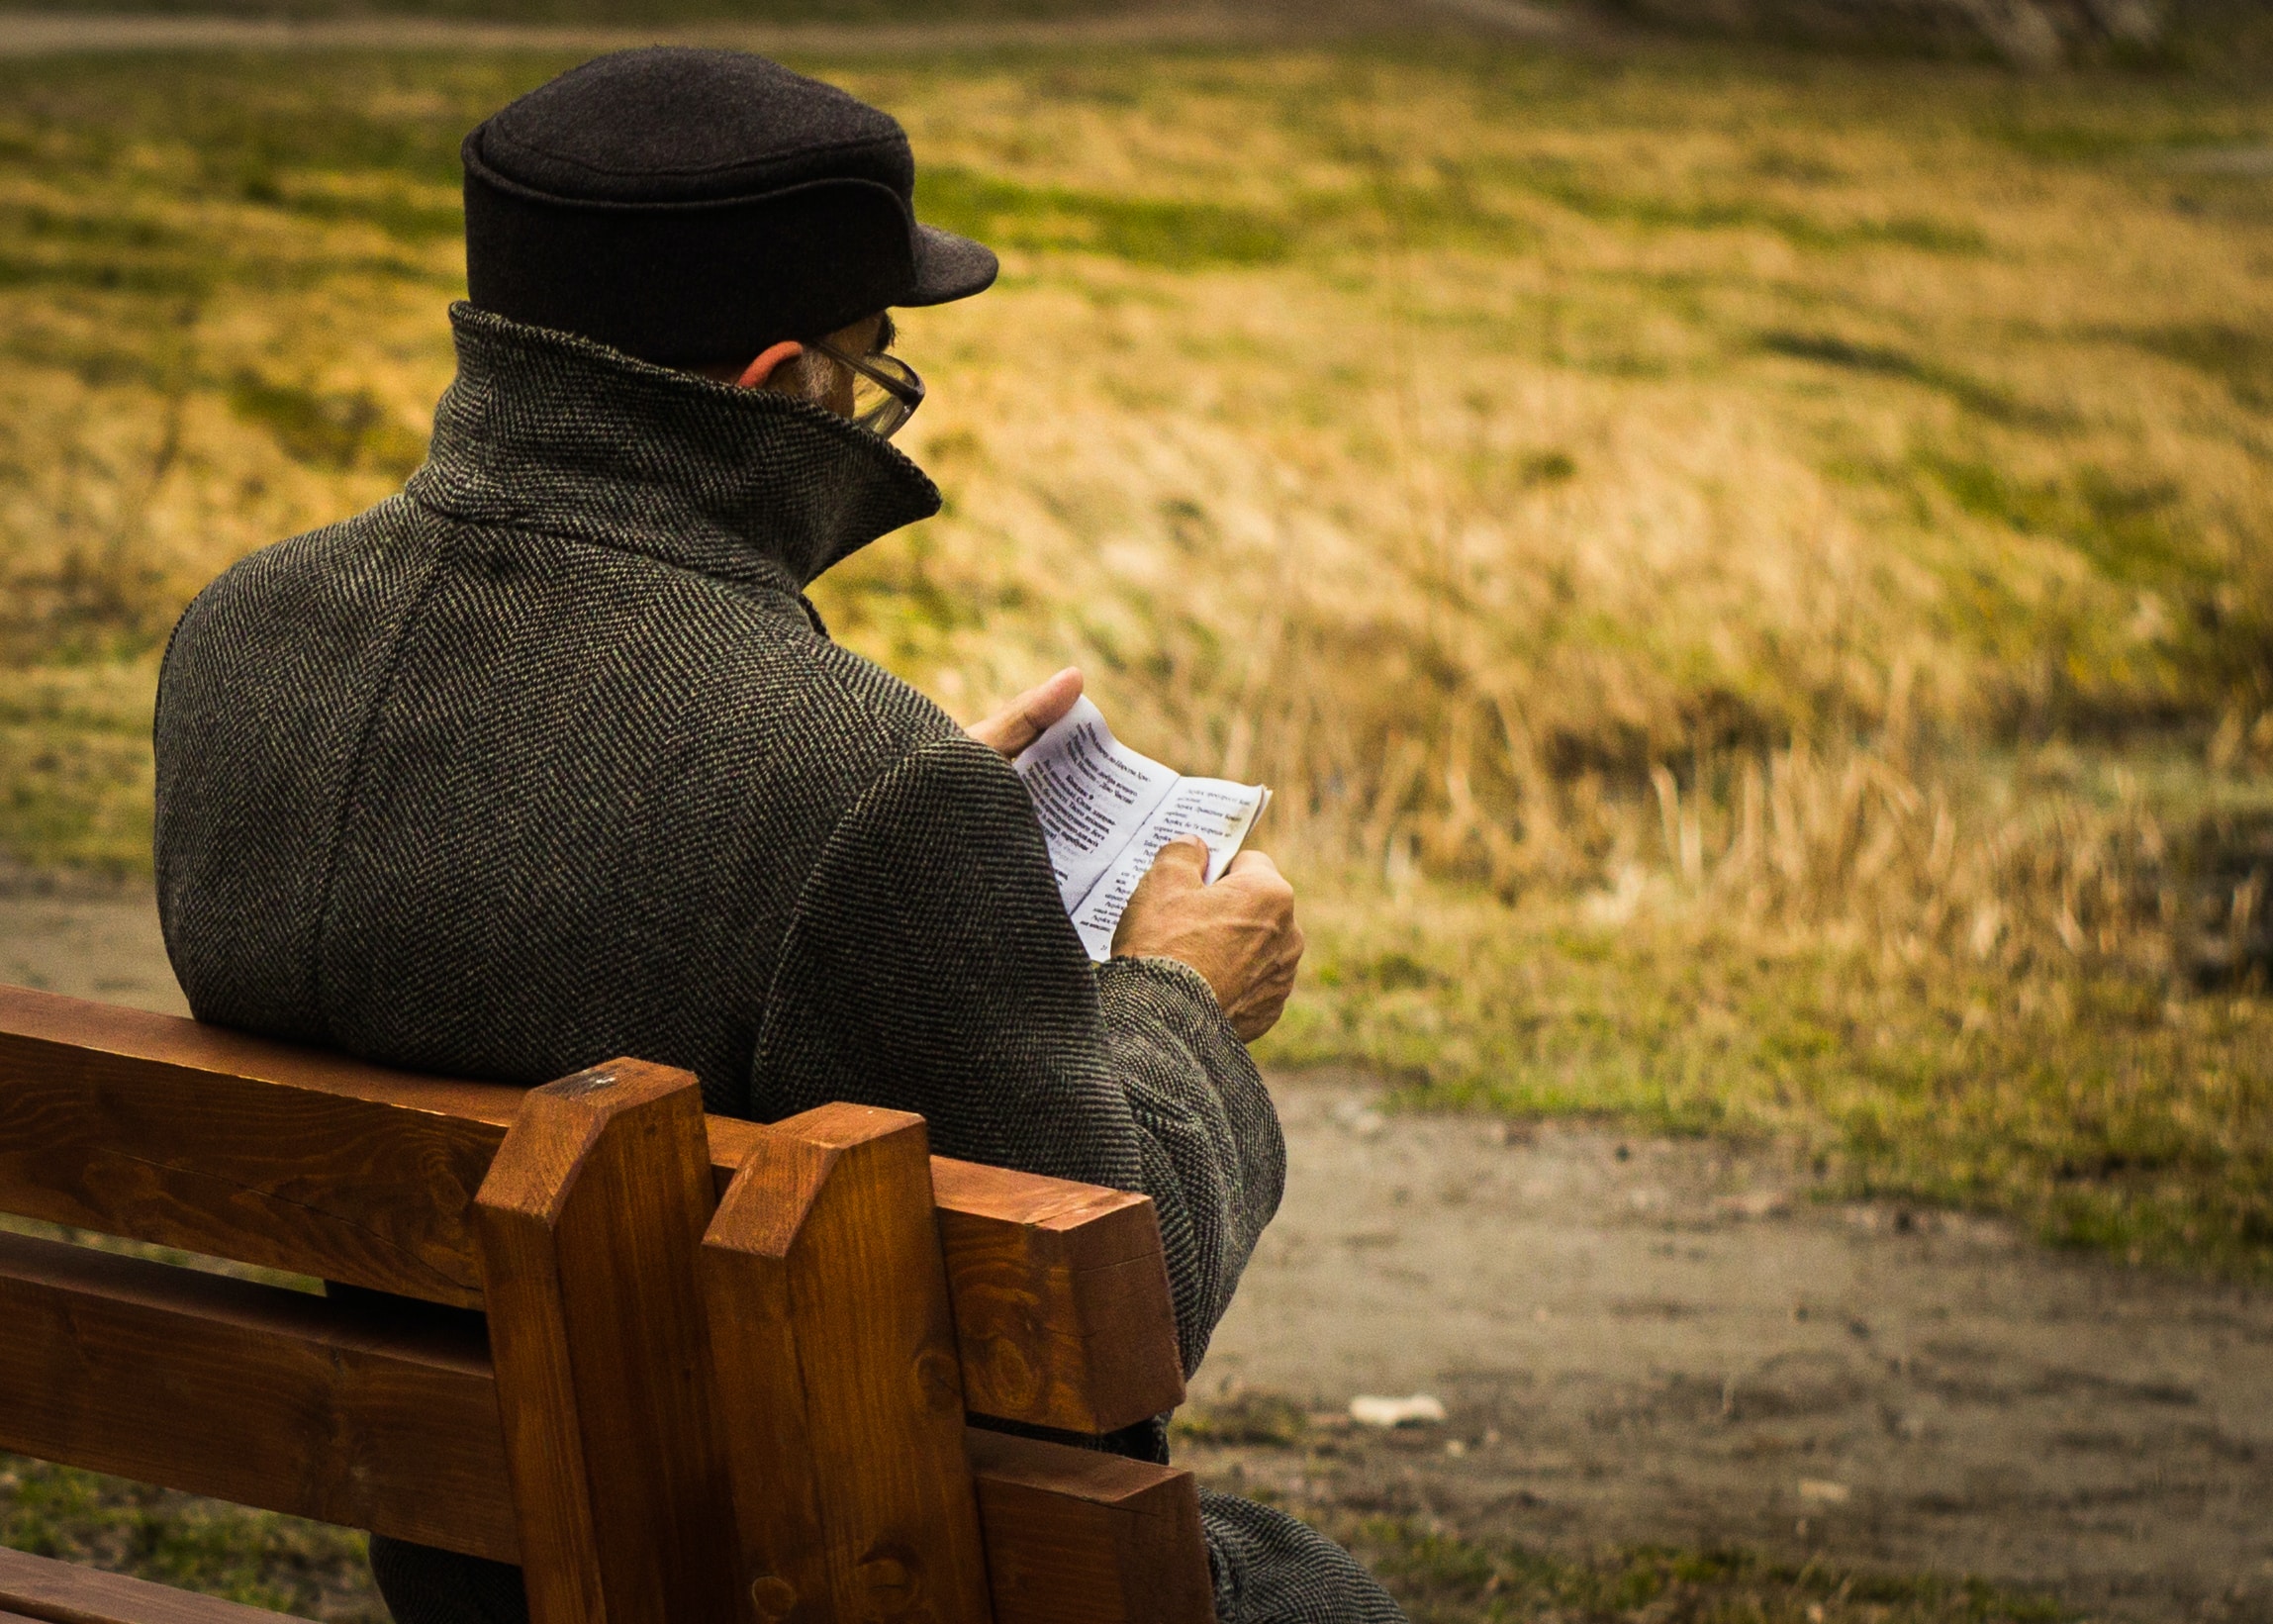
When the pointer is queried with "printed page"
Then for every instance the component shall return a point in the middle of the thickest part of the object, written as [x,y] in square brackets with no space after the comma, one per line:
[1092,795]
[1219,812]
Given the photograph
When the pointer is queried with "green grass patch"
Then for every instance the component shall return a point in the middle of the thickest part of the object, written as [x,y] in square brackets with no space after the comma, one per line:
[337,432]
[1660,212]
[1441,1577]
[2132,530]
[1176,236]
[258,1558]
[2240,358]
[75,772]
[1981,399]
[2109,1112]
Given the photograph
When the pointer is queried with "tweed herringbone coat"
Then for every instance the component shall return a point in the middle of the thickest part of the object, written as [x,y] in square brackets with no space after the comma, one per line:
[548,759]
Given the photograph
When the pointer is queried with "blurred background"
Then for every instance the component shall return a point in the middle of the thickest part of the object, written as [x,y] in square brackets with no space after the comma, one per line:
[1741,533]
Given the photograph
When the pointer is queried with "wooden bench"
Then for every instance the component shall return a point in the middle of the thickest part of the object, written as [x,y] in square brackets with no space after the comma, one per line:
[679,1368]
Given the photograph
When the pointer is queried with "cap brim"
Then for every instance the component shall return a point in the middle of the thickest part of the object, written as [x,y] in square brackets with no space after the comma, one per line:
[949,267]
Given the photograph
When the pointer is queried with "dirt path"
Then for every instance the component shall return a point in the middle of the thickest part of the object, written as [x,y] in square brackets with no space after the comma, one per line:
[87,942]
[1655,1341]
[1659,1340]
[41,34]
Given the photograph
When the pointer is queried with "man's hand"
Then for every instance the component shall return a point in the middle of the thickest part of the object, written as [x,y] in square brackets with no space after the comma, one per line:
[1029,715]
[1239,932]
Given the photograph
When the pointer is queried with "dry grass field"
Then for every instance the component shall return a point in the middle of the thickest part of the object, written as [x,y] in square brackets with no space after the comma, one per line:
[1751,573]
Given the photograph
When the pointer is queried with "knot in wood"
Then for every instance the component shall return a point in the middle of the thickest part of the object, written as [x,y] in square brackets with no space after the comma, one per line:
[940,1380]
[893,1590]
[772,1596]
[1010,1377]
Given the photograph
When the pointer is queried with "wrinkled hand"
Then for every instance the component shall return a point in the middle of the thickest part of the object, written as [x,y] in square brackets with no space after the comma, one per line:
[1026,717]
[1239,932]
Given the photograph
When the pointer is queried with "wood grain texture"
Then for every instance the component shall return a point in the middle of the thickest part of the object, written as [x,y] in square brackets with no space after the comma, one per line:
[1075,1536]
[63,1592]
[161,1129]
[1062,1303]
[249,1393]
[838,1378]
[1063,1313]
[590,1223]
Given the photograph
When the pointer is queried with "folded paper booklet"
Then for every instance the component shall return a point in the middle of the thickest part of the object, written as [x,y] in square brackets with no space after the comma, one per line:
[1108,811]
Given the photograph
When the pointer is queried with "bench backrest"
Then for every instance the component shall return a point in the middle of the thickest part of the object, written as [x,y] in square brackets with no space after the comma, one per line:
[718,1369]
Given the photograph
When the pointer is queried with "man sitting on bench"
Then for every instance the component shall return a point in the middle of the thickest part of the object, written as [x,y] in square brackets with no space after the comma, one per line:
[548,758]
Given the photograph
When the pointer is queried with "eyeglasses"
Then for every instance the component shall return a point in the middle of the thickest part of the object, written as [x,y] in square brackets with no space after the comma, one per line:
[885,390]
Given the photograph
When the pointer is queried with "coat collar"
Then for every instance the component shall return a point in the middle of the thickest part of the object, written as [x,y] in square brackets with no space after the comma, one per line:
[556,432]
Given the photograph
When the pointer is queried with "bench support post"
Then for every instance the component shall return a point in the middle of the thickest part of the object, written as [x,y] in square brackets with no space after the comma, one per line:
[839,1383]
[589,1224]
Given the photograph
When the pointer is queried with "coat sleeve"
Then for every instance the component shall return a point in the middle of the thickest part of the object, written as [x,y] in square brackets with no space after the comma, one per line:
[930,967]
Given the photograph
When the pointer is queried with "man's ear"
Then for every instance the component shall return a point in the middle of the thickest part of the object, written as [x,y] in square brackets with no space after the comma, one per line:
[759,371]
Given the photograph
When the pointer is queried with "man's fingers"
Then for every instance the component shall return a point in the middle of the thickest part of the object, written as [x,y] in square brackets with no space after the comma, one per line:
[1028,716]
[1178,869]
[1182,858]
[1254,872]
[1252,862]
[1043,706]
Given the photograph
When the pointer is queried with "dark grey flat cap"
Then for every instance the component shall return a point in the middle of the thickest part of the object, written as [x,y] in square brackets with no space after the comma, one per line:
[691,206]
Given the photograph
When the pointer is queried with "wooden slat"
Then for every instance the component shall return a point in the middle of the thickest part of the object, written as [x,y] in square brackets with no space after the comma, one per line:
[838,1377]
[590,1223]
[158,1129]
[61,1592]
[1075,1536]
[161,1129]
[267,1397]
[1062,1304]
